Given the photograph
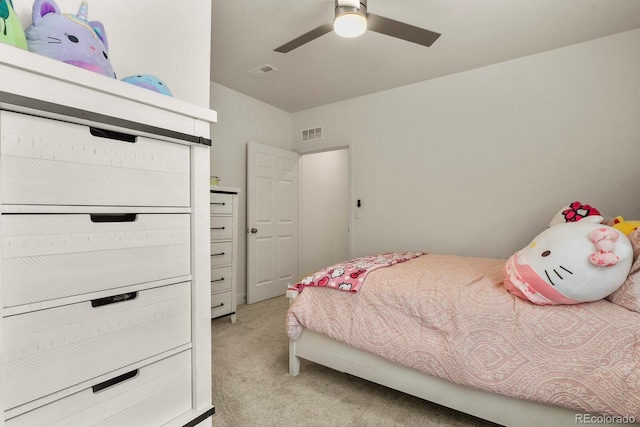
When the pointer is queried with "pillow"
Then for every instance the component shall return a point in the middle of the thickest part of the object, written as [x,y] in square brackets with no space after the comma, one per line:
[69,38]
[570,263]
[148,81]
[628,295]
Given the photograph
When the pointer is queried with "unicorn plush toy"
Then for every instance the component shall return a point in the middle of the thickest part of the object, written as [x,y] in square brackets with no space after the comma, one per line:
[69,38]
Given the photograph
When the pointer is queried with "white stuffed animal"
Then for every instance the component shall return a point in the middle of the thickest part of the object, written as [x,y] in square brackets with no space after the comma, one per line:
[570,263]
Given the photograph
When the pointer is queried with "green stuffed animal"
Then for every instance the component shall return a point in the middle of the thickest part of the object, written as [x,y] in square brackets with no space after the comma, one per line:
[11,31]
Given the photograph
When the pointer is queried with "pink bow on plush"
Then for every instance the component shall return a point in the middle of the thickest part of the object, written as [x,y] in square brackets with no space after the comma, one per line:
[604,240]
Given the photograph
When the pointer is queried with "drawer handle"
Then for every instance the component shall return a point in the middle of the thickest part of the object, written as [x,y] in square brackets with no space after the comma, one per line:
[128,217]
[219,305]
[113,381]
[113,299]
[218,280]
[218,228]
[219,203]
[112,134]
[220,254]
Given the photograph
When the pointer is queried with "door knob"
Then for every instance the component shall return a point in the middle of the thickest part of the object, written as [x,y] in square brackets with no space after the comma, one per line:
[254,230]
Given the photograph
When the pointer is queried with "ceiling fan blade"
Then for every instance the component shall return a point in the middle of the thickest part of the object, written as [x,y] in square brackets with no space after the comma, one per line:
[305,38]
[400,30]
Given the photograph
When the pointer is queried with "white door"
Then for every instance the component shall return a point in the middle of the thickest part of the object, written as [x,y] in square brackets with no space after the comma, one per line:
[272,221]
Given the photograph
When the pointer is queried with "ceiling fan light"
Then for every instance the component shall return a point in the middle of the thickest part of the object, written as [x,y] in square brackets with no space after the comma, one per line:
[350,25]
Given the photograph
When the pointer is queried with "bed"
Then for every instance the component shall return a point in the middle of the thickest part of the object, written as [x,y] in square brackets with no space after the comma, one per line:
[443,328]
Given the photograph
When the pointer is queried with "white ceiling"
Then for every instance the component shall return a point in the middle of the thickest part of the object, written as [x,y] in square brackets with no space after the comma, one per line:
[475,33]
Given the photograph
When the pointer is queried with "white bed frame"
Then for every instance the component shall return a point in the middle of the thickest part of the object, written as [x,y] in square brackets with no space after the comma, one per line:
[500,409]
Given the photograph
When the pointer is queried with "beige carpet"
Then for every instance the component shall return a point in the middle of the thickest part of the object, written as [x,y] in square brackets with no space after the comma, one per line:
[252,386]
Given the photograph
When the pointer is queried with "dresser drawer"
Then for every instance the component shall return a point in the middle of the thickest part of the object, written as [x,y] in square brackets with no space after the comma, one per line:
[49,162]
[221,227]
[220,279]
[46,257]
[221,253]
[221,203]
[220,304]
[49,350]
[146,397]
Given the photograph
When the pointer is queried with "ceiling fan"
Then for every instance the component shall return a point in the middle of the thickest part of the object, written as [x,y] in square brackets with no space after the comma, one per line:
[352,20]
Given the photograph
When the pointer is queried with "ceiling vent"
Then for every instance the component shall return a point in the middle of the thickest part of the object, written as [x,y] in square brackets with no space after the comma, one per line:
[262,70]
[312,134]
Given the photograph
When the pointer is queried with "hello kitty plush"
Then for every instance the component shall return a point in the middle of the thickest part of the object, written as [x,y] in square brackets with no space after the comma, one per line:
[69,38]
[574,212]
[570,263]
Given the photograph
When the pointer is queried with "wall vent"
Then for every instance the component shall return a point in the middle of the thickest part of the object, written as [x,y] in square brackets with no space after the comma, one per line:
[262,70]
[312,134]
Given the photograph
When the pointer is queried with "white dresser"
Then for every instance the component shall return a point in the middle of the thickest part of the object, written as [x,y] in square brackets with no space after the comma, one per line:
[224,251]
[104,255]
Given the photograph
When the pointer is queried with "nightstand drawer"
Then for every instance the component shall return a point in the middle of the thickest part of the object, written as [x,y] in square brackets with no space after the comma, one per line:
[147,397]
[45,257]
[221,227]
[49,350]
[220,304]
[220,279]
[50,162]
[221,253]
[221,203]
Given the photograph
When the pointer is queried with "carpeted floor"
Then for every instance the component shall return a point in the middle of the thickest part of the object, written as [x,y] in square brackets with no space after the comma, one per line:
[252,386]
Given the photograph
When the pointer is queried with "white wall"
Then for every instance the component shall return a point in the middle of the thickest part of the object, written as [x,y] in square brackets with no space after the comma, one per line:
[324,210]
[242,119]
[164,38]
[477,163]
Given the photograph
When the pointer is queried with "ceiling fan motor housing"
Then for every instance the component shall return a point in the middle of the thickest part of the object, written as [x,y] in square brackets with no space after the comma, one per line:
[357,7]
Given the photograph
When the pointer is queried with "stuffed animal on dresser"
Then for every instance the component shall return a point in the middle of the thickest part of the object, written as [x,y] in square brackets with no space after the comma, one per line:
[11,31]
[150,82]
[570,263]
[69,38]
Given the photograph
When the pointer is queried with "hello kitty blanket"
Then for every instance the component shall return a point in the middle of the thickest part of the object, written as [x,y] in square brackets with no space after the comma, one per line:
[349,275]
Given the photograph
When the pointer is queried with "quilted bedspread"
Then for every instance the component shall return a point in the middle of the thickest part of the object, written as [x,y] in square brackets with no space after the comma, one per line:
[450,317]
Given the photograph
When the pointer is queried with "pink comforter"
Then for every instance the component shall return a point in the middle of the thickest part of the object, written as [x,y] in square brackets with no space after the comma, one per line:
[450,317]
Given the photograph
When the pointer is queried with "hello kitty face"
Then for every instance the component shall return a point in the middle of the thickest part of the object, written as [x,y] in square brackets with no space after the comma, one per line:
[583,261]
[308,280]
[69,38]
[337,272]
